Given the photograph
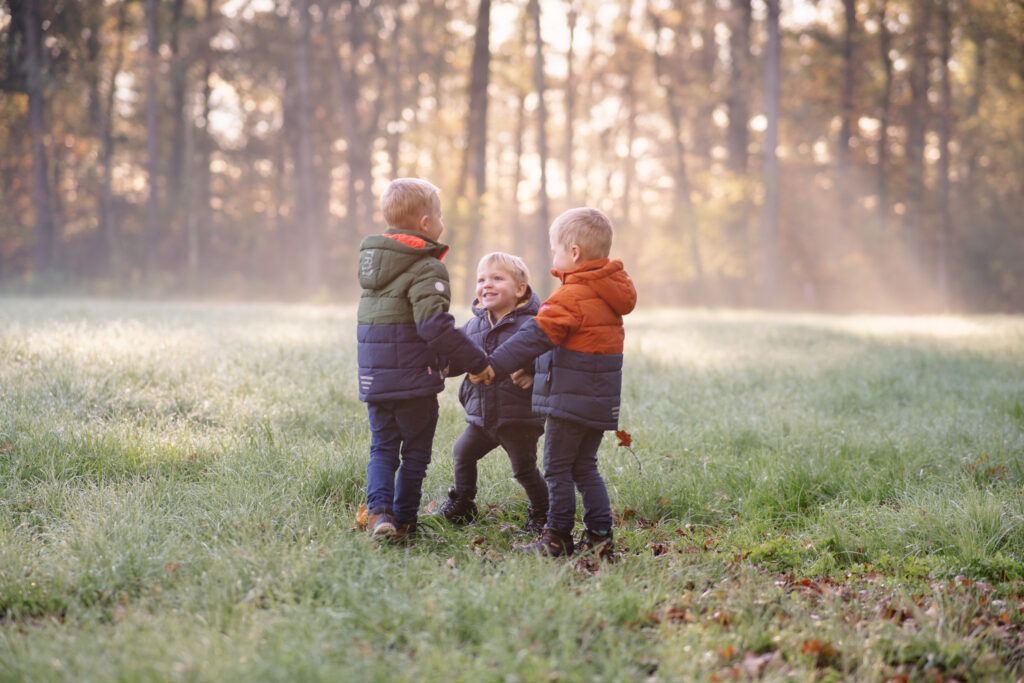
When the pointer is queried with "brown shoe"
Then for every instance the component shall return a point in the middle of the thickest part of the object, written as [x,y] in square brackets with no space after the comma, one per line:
[404,532]
[380,522]
[551,543]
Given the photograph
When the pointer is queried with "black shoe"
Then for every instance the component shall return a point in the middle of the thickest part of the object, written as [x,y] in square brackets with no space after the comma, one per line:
[458,509]
[598,542]
[551,543]
[535,520]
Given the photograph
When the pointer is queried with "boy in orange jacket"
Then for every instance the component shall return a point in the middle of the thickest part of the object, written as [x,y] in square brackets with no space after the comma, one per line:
[578,336]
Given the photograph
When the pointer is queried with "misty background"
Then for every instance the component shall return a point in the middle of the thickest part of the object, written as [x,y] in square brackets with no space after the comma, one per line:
[835,155]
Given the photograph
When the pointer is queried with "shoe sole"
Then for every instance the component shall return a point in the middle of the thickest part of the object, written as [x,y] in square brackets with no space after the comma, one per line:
[384,529]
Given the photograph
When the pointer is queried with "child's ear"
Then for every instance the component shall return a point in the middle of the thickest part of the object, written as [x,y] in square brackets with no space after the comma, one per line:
[576,253]
[520,291]
[421,224]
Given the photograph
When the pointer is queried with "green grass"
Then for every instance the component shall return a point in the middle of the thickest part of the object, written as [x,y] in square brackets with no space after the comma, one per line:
[808,497]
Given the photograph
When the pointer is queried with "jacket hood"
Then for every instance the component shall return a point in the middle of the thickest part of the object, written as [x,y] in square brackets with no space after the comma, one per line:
[382,258]
[529,306]
[608,279]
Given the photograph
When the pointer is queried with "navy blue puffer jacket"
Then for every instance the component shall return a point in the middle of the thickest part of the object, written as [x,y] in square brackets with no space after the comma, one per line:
[502,402]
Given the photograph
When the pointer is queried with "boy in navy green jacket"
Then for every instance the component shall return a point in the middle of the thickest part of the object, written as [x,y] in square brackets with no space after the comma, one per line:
[404,330]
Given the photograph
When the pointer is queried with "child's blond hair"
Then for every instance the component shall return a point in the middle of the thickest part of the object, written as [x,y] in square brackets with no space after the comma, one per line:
[511,264]
[406,200]
[587,228]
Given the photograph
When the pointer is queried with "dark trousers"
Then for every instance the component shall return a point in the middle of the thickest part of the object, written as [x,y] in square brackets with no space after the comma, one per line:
[401,439]
[570,463]
[519,441]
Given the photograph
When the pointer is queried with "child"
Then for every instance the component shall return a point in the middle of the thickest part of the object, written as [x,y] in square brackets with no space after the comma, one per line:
[498,414]
[579,376]
[404,329]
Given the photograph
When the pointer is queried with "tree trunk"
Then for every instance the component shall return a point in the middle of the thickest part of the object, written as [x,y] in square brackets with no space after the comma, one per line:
[304,156]
[917,120]
[570,106]
[740,83]
[543,210]
[846,115]
[202,218]
[708,58]
[152,140]
[475,153]
[359,199]
[179,71]
[770,163]
[946,105]
[45,230]
[683,212]
[885,107]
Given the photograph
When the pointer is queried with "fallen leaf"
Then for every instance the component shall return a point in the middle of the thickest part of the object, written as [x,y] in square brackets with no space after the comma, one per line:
[171,567]
[625,439]
[361,514]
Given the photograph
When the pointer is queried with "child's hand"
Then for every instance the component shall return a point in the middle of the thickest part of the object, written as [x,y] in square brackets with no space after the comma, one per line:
[485,376]
[522,380]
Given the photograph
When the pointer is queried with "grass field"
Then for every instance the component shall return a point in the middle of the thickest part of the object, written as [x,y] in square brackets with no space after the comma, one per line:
[806,497]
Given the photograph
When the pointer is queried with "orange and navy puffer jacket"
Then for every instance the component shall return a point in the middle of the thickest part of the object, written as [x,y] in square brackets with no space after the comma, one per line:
[578,336]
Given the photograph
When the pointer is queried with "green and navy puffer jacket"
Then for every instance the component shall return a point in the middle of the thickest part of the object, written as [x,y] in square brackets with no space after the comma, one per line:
[501,402]
[403,327]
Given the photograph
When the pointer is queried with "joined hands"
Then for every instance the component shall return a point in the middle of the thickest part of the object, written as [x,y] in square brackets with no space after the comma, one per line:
[486,376]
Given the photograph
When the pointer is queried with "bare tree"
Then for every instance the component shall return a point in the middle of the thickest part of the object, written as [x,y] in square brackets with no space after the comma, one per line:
[739,83]
[846,113]
[884,107]
[304,180]
[570,103]
[475,152]
[152,138]
[35,85]
[543,210]
[945,107]
[682,201]
[770,162]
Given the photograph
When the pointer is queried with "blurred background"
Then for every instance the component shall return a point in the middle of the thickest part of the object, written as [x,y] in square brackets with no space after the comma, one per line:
[836,155]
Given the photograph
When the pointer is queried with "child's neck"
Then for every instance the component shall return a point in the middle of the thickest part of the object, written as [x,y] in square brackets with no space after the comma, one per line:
[498,316]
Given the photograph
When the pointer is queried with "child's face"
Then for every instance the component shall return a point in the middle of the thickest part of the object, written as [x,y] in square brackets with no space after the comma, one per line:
[563,258]
[497,290]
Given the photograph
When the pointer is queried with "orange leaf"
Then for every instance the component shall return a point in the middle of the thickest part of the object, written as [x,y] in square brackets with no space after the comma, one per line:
[625,439]
[171,567]
[361,515]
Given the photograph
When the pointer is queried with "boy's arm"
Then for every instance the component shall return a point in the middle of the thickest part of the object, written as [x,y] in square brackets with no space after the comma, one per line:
[555,320]
[520,349]
[430,296]
[453,368]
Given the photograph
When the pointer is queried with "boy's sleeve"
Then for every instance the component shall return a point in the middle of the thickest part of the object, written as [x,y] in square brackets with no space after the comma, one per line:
[520,349]
[454,368]
[430,295]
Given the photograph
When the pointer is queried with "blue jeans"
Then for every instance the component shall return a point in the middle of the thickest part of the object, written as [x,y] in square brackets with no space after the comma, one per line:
[401,440]
[570,463]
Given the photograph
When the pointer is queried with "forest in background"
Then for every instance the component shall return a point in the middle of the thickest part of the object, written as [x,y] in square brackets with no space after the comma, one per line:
[833,155]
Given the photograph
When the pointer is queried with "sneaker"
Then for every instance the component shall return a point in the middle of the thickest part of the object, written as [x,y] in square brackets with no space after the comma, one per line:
[535,520]
[551,543]
[597,542]
[458,509]
[380,522]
